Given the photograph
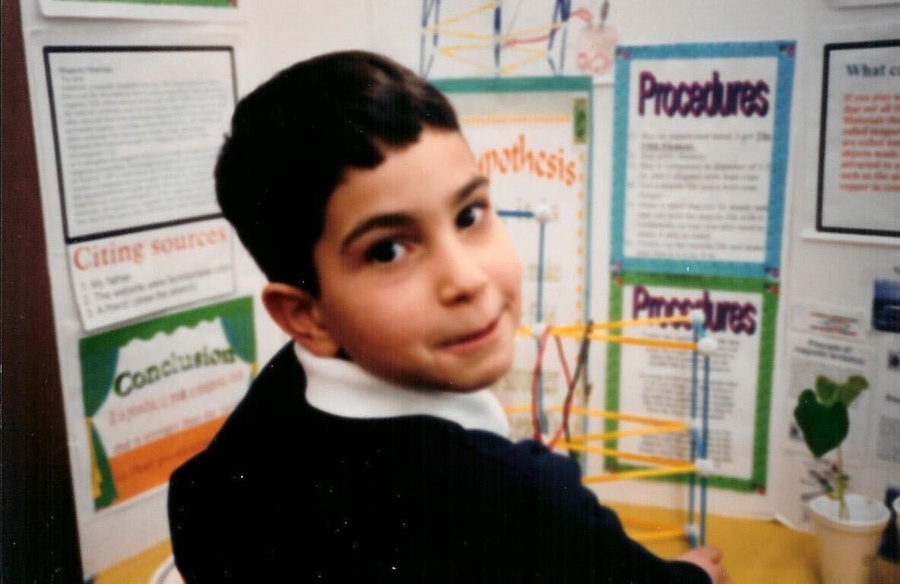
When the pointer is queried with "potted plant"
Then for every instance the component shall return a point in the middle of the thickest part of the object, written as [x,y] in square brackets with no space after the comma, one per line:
[847,525]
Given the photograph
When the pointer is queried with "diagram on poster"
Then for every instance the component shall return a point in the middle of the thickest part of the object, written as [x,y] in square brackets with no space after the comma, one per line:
[699,157]
[136,133]
[155,393]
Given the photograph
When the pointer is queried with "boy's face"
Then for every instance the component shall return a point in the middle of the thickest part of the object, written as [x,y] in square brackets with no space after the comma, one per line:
[419,282]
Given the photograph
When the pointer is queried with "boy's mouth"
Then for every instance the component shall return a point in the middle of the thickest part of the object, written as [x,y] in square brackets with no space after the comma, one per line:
[474,336]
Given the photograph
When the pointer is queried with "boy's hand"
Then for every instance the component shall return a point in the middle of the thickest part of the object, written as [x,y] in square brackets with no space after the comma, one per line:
[710,559]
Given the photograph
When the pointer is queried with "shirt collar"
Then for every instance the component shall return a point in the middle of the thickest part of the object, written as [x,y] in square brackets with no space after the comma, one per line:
[344,389]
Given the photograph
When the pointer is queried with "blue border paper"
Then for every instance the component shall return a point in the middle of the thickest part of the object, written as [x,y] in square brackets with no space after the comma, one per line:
[783,52]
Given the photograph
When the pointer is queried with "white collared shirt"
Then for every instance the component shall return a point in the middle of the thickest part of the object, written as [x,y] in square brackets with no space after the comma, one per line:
[344,389]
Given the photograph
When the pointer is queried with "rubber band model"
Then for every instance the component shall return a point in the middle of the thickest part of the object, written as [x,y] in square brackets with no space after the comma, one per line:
[697,468]
[486,51]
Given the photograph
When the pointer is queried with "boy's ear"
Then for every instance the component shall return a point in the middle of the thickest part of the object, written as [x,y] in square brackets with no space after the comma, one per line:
[297,313]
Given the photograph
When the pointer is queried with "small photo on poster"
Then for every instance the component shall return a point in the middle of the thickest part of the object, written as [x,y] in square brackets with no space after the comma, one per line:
[886,306]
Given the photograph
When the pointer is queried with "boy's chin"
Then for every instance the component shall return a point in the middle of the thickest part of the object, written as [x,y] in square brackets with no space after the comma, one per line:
[453,383]
[457,377]
[465,388]
[469,384]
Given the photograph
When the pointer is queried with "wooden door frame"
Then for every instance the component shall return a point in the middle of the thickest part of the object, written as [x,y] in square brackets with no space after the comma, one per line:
[39,530]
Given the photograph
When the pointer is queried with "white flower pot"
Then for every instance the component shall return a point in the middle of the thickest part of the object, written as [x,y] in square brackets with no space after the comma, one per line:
[848,547]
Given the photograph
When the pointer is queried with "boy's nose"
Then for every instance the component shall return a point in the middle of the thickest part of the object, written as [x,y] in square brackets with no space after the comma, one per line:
[460,276]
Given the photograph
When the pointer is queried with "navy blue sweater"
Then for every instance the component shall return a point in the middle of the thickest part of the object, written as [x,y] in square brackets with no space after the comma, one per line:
[288,493]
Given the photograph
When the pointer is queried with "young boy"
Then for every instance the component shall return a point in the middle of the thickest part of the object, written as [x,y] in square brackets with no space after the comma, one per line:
[369,449]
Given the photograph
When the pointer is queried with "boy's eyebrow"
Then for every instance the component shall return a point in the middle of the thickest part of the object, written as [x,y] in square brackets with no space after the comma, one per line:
[384,221]
[392,220]
[467,189]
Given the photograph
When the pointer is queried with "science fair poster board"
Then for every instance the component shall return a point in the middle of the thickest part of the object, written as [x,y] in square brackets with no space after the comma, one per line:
[740,314]
[531,137]
[155,393]
[700,144]
[859,143]
[126,135]
[136,130]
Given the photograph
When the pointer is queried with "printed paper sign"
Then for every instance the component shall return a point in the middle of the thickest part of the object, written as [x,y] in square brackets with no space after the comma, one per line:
[859,155]
[155,393]
[125,277]
[740,315]
[136,133]
[814,355]
[699,157]
[837,322]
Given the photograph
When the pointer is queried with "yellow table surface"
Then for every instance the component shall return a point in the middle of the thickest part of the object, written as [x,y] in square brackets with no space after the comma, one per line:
[754,551]
[137,569]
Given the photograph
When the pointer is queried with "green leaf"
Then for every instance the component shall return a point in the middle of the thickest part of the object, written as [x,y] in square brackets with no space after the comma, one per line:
[829,392]
[824,427]
[826,390]
[851,388]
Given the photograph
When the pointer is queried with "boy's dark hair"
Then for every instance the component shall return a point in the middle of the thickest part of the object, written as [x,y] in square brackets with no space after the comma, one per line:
[293,138]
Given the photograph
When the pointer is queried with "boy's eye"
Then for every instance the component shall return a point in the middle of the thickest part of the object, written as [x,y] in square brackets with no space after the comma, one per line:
[385,251]
[470,216]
